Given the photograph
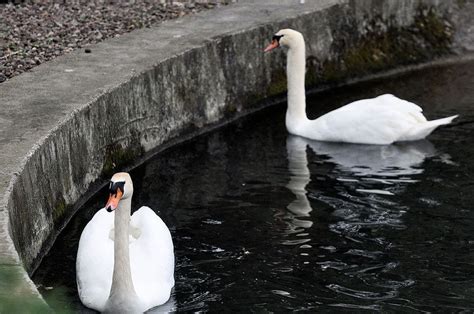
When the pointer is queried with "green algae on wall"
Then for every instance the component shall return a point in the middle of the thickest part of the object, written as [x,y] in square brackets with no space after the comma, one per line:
[383,46]
[59,209]
[118,157]
[278,83]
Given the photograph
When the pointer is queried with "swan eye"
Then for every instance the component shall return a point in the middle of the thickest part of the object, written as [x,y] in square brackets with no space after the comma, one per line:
[114,186]
[277,37]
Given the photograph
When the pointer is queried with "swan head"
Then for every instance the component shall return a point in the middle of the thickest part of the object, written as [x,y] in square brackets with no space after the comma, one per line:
[285,37]
[120,187]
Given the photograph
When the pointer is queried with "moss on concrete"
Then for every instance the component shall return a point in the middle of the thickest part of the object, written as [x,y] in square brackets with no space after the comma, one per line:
[384,46]
[230,110]
[117,157]
[278,83]
[59,209]
[436,30]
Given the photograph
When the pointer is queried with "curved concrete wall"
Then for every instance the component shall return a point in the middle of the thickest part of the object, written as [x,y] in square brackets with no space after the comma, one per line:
[69,124]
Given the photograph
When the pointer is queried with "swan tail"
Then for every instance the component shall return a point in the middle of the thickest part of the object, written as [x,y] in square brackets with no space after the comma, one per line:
[425,129]
[444,121]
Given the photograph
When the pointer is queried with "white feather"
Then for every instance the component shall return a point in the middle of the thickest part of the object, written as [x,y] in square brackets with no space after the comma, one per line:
[151,259]
[381,120]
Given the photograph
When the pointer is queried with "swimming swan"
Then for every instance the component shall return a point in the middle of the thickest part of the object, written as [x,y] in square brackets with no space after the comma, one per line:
[124,264]
[381,120]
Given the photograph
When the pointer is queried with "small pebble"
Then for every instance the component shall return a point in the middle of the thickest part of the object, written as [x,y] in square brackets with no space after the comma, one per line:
[87,50]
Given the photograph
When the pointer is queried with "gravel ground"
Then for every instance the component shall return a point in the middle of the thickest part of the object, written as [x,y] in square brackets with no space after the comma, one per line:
[34,32]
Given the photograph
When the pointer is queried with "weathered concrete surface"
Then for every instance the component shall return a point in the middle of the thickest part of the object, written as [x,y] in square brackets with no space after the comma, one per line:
[75,120]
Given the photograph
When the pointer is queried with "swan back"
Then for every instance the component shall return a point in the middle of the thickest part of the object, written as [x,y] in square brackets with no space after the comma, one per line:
[151,258]
[94,263]
[381,120]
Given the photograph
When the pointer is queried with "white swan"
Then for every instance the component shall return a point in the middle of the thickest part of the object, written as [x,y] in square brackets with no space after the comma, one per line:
[381,120]
[124,264]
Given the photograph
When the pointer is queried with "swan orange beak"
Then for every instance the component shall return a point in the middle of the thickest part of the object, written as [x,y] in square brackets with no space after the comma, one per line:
[113,201]
[273,45]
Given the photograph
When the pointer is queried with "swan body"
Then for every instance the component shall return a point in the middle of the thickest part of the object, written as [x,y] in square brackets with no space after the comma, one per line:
[125,264]
[381,120]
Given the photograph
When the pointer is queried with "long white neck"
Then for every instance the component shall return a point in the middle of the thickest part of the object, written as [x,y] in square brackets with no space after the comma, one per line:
[122,293]
[295,71]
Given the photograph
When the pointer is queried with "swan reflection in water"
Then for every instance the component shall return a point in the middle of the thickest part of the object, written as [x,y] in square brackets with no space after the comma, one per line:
[395,160]
[382,164]
[299,178]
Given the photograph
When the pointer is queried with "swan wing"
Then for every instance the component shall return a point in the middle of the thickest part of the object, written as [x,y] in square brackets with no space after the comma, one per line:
[95,259]
[151,257]
[381,120]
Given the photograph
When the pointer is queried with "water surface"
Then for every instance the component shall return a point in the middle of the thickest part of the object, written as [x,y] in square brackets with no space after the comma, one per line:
[264,221]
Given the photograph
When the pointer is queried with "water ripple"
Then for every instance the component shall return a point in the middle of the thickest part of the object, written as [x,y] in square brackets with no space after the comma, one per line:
[360,294]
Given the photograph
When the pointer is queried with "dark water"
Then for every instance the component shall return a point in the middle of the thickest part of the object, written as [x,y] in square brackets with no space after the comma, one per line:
[263,221]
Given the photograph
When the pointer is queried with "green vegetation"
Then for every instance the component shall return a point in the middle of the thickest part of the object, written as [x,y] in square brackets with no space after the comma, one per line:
[59,209]
[279,83]
[117,157]
[384,46]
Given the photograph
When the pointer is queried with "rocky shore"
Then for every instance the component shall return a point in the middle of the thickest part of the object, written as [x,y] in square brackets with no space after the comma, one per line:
[33,32]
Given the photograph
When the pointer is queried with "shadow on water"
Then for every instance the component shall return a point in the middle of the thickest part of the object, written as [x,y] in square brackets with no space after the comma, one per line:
[266,221]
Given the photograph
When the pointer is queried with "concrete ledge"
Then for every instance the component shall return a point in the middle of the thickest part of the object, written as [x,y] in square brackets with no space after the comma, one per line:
[70,123]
